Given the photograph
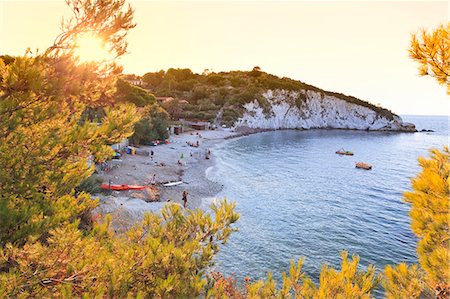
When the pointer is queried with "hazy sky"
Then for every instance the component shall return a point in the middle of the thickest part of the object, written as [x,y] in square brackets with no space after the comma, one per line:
[356,48]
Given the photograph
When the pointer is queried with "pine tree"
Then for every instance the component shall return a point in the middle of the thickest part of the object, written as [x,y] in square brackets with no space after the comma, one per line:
[432,51]
[430,218]
[430,198]
[403,282]
[349,282]
[164,256]
[44,143]
[49,247]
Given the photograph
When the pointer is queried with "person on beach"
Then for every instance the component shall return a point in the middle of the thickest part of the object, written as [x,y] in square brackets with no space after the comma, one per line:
[184,198]
[153,180]
[180,160]
[151,154]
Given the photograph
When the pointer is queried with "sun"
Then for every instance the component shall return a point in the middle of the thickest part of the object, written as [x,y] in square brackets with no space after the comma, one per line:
[90,48]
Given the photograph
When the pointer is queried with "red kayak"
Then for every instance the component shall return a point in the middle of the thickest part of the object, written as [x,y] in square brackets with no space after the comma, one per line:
[122,187]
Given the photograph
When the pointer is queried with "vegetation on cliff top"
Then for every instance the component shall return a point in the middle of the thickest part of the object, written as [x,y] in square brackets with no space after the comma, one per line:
[207,93]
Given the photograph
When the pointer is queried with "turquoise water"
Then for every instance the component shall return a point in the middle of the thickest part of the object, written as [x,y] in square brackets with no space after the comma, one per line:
[297,198]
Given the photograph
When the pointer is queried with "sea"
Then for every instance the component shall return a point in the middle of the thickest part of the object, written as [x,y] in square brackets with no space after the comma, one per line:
[298,198]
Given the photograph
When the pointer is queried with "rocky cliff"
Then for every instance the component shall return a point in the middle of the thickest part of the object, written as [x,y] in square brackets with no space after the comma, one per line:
[283,109]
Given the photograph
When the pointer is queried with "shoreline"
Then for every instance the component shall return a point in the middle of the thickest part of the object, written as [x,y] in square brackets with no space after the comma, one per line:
[128,207]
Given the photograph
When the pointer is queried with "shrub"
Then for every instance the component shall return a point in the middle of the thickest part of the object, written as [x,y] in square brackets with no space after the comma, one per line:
[198,93]
[185,85]
[152,126]
[215,80]
[237,81]
[128,93]
[179,74]
[349,282]
[164,256]
[153,80]
[91,185]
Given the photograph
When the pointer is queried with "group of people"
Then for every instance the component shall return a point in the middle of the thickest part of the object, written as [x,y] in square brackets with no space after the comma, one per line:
[184,195]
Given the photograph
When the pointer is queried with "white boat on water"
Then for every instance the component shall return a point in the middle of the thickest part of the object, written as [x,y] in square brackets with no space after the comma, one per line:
[170,184]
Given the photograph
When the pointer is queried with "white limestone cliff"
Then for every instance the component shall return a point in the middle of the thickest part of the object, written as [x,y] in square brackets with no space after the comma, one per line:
[315,110]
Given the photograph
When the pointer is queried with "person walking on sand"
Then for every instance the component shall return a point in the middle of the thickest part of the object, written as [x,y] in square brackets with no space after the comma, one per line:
[151,154]
[184,196]
[153,180]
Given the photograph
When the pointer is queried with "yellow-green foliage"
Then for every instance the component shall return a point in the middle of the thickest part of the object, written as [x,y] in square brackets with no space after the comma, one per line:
[49,249]
[349,282]
[430,216]
[430,198]
[152,125]
[49,246]
[45,145]
[432,51]
[164,256]
[129,93]
[403,282]
[430,219]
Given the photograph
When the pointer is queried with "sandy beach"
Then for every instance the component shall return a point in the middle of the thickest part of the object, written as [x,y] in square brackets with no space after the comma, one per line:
[127,207]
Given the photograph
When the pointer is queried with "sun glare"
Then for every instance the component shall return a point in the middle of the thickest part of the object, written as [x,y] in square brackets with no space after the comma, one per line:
[90,48]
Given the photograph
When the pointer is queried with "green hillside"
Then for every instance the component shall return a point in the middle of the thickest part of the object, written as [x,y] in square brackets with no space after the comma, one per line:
[202,96]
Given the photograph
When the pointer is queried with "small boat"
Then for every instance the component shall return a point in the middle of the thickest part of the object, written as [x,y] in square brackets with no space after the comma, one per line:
[344,152]
[122,187]
[170,184]
[363,165]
